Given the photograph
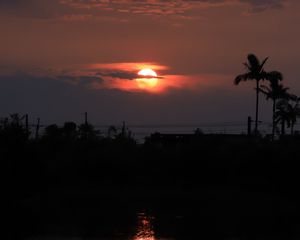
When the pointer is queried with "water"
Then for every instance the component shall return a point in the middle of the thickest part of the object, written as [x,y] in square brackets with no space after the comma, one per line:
[144,230]
[214,212]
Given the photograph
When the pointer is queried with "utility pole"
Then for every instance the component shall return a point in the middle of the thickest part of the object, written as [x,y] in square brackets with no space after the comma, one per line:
[37,129]
[85,128]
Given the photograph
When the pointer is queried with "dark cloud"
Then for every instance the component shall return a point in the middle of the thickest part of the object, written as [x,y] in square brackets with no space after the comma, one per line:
[6,3]
[41,9]
[168,7]
[88,9]
[121,74]
[81,80]
[64,76]
[262,5]
[151,7]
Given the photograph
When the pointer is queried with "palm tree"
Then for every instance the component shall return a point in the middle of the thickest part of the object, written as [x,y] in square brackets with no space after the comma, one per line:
[281,115]
[275,91]
[288,113]
[255,71]
[294,113]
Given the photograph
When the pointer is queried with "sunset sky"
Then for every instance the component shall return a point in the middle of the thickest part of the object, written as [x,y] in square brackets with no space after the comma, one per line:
[60,58]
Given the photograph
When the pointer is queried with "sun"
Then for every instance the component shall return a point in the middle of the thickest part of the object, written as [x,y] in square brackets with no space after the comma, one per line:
[148,78]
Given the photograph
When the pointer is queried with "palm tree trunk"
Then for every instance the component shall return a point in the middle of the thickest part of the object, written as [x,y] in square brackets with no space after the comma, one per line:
[292,128]
[256,110]
[273,123]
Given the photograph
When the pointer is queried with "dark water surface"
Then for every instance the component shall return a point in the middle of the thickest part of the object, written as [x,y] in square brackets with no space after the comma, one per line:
[117,214]
[213,187]
[145,214]
[142,229]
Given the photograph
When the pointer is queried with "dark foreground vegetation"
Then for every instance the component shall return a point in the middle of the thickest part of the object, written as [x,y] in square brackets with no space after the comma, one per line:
[71,182]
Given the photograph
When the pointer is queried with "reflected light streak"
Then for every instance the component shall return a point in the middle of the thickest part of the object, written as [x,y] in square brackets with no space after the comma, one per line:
[145,228]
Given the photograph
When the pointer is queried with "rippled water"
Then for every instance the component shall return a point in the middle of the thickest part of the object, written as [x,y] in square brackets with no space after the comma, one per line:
[144,230]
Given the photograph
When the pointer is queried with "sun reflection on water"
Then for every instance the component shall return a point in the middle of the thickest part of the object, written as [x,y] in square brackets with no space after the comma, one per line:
[145,228]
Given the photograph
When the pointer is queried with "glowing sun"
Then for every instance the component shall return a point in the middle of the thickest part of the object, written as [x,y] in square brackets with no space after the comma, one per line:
[148,78]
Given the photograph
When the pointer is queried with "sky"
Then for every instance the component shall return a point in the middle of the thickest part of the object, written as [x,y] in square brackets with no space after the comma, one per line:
[61,58]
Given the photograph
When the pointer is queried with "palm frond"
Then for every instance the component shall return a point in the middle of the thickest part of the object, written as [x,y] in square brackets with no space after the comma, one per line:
[263,63]
[294,98]
[253,61]
[274,76]
[248,67]
[242,77]
[281,104]
[265,90]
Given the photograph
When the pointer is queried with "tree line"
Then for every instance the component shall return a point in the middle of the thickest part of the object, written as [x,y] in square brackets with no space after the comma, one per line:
[15,129]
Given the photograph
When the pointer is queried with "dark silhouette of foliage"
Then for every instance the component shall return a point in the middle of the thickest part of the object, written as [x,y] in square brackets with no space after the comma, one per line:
[198,131]
[53,132]
[12,129]
[70,131]
[255,71]
[122,134]
[287,113]
[294,113]
[275,91]
[87,131]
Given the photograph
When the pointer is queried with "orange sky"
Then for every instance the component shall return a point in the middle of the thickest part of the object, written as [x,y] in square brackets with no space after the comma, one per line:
[69,55]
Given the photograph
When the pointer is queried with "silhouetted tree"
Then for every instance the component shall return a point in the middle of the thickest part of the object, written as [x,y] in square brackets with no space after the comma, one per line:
[255,71]
[294,113]
[275,91]
[87,131]
[288,112]
[53,132]
[70,130]
[125,136]
[12,129]
[198,131]
[281,115]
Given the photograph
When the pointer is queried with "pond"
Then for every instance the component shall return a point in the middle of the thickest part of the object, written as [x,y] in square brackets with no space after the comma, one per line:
[143,229]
